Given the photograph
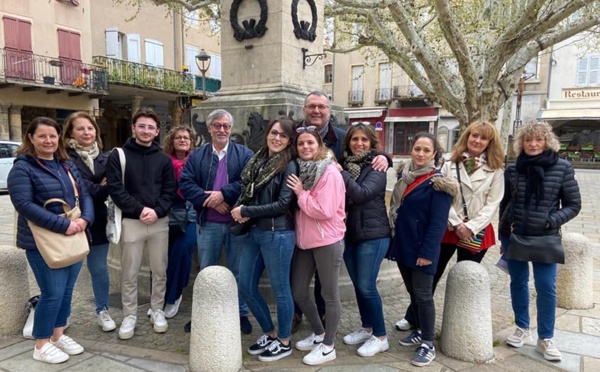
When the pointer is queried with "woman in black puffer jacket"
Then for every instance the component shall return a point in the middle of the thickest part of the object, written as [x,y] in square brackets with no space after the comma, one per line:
[541,194]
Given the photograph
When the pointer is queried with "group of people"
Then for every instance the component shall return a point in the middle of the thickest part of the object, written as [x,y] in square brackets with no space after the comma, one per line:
[311,197]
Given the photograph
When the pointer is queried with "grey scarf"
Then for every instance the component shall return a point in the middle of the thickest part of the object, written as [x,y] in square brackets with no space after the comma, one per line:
[411,173]
[311,171]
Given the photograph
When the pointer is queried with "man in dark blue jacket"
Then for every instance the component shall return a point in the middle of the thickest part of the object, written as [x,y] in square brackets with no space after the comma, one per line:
[144,196]
[211,181]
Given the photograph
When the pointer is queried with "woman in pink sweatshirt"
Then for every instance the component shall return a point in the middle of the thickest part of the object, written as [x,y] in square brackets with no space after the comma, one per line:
[320,232]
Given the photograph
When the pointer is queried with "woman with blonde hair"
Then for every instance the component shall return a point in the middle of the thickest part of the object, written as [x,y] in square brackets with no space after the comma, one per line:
[81,138]
[541,195]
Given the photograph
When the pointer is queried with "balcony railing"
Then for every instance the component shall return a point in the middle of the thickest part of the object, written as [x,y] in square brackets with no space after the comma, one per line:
[383,94]
[408,91]
[355,97]
[145,76]
[212,85]
[28,68]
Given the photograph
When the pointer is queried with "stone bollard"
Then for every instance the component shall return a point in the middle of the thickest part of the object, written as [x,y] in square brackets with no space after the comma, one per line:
[15,290]
[467,322]
[215,343]
[574,280]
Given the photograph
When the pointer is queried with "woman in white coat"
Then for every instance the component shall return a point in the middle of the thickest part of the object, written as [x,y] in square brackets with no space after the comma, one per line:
[476,162]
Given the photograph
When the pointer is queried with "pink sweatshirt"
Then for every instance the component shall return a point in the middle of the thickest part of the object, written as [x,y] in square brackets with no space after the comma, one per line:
[320,219]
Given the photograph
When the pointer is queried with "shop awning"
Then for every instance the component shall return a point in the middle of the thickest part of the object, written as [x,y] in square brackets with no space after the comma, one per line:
[392,119]
[363,114]
[581,114]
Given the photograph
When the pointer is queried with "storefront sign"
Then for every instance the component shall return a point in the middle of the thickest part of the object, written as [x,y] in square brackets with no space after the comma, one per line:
[581,93]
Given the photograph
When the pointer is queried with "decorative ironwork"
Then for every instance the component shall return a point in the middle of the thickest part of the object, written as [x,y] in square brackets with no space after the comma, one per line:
[255,137]
[304,29]
[251,28]
[408,91]
[307,59]
[355,97]
[145,76]
[33,69]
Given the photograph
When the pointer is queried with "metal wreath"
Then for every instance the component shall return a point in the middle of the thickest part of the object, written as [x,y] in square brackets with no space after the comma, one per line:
[251,28]
[303,29]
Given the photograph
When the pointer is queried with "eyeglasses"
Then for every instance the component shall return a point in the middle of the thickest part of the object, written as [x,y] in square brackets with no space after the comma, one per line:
[360,123]
[303,129]
[225,127]
[314,107]
[146,127]
[182,138]
[273,133]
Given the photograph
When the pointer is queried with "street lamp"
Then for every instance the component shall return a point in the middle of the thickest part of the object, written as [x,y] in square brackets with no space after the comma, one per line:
[203,63]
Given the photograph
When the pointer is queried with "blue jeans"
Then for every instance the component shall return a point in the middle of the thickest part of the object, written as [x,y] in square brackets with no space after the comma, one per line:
[272,250]
[544,277]
[181,251]
[363,261]
[56,287]
[211,238]
[96,263]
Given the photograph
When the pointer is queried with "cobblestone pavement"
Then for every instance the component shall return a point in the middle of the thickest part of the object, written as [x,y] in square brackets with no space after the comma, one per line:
[84,326]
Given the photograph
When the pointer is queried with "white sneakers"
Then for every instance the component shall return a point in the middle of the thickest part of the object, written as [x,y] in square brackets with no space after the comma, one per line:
[373,346]
[320,354]
[546,347]
[55,352]
[357,337]
[127,327]
[105,321]
[309,343]
[157,318]
[172,309]
[518,338]
[50,354]
[404,325]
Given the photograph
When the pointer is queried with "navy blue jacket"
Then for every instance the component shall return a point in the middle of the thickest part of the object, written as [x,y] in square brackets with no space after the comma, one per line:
[30,184]
[97,192]
[421,222]
[199,174]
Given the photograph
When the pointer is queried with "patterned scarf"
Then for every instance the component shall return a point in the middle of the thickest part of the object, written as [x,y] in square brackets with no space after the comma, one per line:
[259,170]
[87,154]
[354,164]
[473,163]
[410,174]
[311,171]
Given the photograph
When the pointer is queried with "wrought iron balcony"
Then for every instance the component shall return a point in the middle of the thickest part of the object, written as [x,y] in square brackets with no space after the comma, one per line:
[212,85]
[146,76]
[383,95]
[355,97]
[408,92]
[26,68]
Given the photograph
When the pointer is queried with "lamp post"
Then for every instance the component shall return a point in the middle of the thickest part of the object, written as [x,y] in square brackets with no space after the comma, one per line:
[203,63]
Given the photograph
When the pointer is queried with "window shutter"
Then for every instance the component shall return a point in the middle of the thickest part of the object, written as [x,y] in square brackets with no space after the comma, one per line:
[215,67]
[112,42]
[133,48]
[593,70]
[190,59]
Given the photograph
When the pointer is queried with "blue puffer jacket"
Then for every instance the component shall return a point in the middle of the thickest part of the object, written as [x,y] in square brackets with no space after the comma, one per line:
[30,184]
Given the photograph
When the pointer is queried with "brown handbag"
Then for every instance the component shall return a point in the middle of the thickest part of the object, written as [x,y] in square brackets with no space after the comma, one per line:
[57,249]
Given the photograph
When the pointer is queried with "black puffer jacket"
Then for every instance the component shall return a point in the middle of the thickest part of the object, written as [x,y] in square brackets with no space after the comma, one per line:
[274,205]
[367,215]
[561,203]
[97,192]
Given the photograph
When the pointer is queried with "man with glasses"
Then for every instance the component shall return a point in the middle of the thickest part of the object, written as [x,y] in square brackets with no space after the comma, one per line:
[317,113]
[211,181]
[144,196]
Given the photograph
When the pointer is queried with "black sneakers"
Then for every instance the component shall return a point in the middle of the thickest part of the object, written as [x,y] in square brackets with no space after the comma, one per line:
[261,345]
[275,351]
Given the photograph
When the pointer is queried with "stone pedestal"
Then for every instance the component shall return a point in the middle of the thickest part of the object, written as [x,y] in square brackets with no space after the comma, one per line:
[575,279]
[15,290]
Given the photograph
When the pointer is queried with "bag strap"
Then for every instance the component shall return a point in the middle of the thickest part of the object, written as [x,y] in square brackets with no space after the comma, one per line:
[122,161]
[65,205]
[464,203]
[75,188]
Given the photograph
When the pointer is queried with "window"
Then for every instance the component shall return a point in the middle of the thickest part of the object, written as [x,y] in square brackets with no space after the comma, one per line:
[190,60]
[154,53]
[192,18]
[328,31]
[17,42]
[531,68]
[114,43]
[357,30]
[384,92]
[133,48]
[328,77]
[215,66]
[215,19]
[587,70]
[69,52]
[356,95]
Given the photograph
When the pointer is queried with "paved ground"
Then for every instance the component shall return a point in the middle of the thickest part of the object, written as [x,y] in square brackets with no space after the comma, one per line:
[578,332]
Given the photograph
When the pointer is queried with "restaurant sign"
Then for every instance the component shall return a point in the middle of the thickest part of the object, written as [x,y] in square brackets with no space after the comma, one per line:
[581,93]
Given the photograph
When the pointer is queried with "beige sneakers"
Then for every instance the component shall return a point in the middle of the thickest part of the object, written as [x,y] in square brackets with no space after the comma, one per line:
[518,338]
[547,348]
